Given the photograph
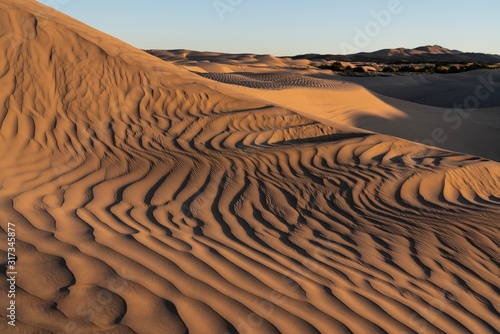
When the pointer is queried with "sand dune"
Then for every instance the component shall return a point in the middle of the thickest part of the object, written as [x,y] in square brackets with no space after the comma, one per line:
[149,199]
[331,99]
[437,110]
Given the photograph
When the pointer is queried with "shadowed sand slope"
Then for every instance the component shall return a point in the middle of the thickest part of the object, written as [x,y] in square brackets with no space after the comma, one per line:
[439,90]
[147,202]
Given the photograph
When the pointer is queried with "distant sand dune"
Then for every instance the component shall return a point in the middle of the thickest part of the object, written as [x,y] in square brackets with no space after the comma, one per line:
[147,202]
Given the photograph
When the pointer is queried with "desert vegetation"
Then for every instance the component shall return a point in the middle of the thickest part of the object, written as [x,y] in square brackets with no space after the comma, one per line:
[407,68]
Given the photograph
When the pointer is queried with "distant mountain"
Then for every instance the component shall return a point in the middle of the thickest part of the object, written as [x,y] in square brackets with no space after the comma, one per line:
[429,53]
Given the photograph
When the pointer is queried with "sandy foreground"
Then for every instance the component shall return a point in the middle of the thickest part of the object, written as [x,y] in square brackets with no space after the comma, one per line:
[248,198]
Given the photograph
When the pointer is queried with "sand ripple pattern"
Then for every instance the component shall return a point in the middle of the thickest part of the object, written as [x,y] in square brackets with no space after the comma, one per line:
[277,81]
[146,203]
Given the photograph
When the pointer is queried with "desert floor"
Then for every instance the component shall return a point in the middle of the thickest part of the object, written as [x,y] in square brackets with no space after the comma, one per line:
[207,193]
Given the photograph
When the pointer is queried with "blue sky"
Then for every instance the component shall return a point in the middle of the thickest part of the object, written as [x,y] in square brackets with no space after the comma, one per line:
[293,27]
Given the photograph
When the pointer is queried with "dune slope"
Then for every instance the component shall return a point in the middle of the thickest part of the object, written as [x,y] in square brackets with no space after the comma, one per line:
[146,202]
[437,110]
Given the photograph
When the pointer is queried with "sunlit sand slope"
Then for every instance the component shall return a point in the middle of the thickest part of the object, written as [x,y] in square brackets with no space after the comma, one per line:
[146,202]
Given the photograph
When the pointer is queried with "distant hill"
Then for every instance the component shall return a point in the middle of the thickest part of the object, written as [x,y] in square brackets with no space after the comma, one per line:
[430,53]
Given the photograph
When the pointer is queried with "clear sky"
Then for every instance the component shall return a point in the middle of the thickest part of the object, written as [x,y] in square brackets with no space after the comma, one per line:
[293,27]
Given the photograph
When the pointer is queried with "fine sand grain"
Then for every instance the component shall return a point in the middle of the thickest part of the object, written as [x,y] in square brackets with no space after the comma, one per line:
[149,199]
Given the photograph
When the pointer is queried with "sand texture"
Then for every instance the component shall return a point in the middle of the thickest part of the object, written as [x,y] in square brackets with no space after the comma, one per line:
[151,199]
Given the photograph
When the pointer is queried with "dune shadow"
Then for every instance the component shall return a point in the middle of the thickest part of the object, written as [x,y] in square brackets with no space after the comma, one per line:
[322,139]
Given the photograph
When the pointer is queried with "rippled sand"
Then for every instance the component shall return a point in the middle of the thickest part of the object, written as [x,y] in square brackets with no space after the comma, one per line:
[148,199]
